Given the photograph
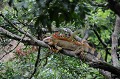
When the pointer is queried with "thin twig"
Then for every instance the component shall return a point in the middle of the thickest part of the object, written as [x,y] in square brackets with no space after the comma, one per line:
[12,49]
[36,63]
[103,43]
[23,32]
[38,55]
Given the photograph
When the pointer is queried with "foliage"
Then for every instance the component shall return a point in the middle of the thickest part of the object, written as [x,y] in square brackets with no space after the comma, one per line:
[32,15]
[57,67]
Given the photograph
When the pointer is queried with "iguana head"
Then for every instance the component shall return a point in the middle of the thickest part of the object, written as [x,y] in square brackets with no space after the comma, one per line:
[48,40]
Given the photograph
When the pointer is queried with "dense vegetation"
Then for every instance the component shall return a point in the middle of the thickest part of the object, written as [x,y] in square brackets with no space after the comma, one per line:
[95,18]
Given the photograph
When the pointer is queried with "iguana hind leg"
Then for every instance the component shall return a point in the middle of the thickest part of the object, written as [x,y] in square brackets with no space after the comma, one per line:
[80,52]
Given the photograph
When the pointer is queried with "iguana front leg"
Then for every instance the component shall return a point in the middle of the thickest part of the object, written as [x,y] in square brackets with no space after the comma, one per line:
[55,48]
[58,48]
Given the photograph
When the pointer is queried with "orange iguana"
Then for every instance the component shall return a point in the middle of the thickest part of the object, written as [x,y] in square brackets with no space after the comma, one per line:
[59,41]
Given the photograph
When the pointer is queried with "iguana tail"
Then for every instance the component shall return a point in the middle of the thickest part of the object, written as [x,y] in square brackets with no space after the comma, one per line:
[89,50]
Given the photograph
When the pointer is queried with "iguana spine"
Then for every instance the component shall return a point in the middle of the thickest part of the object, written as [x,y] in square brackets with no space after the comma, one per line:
[64,42]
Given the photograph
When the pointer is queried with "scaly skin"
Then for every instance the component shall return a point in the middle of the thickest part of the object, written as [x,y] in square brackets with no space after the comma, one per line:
[61,42]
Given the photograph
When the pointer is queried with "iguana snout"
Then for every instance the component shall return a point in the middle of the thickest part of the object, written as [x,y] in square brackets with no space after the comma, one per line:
[48,40]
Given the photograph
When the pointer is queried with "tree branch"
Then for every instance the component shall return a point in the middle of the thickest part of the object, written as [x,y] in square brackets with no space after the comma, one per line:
[23,32]
[105,66]
[103,43]
[86,58]
[25,40]
[115,43]
[93,62]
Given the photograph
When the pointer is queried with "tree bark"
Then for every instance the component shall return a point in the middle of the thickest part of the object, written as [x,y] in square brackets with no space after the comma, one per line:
[115,42]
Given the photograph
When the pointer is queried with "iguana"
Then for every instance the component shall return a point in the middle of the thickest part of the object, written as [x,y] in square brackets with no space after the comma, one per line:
[59,41]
